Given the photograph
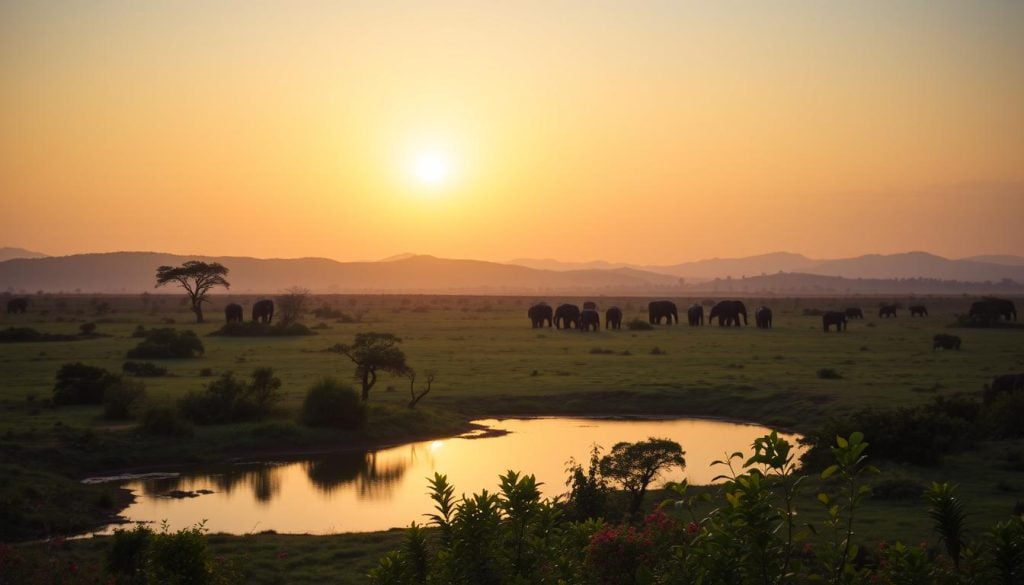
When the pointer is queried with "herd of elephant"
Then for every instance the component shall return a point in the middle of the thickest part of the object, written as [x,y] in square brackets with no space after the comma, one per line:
[569,316]
[728,313]
[262,312]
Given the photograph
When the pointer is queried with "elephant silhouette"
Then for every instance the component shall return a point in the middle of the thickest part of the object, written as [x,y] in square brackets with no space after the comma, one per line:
[590,319]
[658,310]
[590,305]
[886,311]
[263,311]
[830,318]
[945,341]
[854,313]
[233,313]
[567,316]
[763,318]
[994,309]
[19,305]
[613,318]
[918,311]
[728,313]
[540,313]
[695,315]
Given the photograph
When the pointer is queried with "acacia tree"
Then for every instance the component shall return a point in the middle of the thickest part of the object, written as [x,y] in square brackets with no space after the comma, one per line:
[197,278]
[371,353]
[292,305]
[635,465]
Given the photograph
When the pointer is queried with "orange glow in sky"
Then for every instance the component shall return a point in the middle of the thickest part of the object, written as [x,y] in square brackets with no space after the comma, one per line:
[651,132]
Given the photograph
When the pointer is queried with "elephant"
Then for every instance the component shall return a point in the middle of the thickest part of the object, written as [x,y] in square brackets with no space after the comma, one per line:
[566,315]
[854,313]
[233,313]
[613,318]
[1005,384]
[590,319]
[763,318]
[19,305]
[945,341]
[695,315]
[540,313]
[658,310]
[728,313]
[590,305]
[918,311]
[837,318]
[263,311]
[993,308]
[886,311]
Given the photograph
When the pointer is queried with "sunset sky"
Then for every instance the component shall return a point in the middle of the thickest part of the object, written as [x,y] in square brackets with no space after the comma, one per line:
[651,132]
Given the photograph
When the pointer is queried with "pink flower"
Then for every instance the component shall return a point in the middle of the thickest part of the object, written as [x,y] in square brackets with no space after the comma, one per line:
[693,528]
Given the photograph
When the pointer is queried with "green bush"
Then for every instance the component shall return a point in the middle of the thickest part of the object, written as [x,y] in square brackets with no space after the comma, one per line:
[257,329]
[164,421]
[78,383]
[330,403]
[829,374]
[167,343]
[121,401]
[229,399]
[142,556]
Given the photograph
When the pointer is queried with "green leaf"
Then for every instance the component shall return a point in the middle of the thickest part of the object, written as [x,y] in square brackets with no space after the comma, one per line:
[823,498]
[829,471]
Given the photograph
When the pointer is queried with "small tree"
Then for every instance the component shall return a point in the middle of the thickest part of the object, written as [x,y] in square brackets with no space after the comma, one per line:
[415,397]
[372,352]
[635,465]
[292,305]
[197,278]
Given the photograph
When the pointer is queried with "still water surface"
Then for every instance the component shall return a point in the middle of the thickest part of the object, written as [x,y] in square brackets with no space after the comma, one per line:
[377,490]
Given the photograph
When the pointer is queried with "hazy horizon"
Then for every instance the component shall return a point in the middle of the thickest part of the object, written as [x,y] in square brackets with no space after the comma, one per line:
[654,133]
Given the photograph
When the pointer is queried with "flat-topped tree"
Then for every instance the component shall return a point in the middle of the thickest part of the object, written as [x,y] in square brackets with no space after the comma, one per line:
[197,278]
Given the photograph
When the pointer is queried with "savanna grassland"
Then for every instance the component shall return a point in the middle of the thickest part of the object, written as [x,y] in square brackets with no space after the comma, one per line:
[488,361]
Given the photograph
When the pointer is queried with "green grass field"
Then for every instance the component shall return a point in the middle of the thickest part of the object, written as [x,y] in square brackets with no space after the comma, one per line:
[489,361]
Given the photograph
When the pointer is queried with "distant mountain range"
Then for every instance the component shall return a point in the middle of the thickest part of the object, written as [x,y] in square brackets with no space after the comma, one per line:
[876,266]
[782,273]
[7,253]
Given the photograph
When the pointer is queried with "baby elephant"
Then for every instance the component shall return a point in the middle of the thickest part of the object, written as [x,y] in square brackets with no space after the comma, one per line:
[945,342]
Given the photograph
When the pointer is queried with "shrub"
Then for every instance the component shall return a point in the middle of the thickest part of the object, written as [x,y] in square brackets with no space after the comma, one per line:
[898,489]
[639,325]
[164,421]
[257,329]
[330,403]
[87,328]
[121,399]
[229,399]
[144,556]
[829,374]
[167,343]
[78,383]
[28,335]
[143,369]
[658,351]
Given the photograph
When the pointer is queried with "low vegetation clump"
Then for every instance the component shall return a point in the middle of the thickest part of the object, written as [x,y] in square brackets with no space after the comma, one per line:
[78,383]
[639,325]
[142,555]
[164,421]
[167,343]
[330,403]
[601,351]
[258,329]
[230,399]
[121,401]
[746,531]
[829,374]
[143,369]
[29,335]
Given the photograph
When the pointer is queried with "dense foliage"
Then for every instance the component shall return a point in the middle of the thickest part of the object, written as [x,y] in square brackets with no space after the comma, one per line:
[750,535]
[78,383]
[167,343]
[229,399]
[330,403]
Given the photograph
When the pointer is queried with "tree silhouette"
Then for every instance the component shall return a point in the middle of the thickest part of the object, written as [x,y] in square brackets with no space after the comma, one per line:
[635,465]
[373,352]
[197,278]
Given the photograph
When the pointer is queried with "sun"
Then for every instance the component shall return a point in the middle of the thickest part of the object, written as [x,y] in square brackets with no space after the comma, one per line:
[432,168]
